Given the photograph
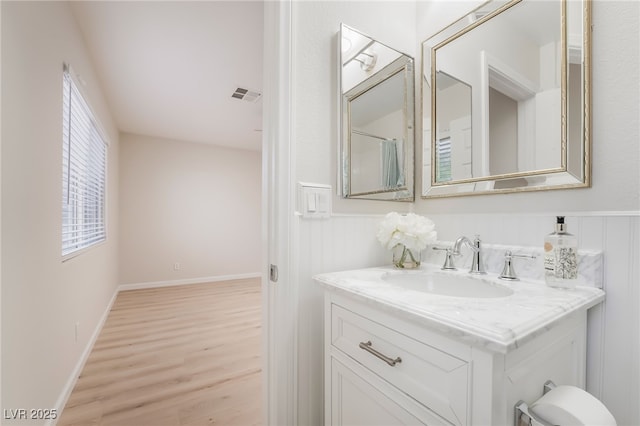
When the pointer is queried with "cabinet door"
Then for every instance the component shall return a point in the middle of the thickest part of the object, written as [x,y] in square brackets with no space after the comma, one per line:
[358,401]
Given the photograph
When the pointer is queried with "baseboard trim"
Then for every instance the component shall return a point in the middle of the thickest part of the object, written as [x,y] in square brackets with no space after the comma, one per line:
[73,378]
[170,283]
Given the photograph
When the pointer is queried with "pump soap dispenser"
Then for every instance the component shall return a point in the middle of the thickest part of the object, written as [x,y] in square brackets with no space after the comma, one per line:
[561,257]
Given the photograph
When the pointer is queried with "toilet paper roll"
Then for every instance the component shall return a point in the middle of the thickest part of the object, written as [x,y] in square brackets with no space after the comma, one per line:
[569,405]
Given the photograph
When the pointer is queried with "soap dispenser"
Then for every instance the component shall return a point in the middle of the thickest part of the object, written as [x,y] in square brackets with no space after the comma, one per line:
[561,257]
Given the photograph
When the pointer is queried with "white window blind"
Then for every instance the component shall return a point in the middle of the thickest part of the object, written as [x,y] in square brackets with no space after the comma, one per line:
[443,159]
[83,173]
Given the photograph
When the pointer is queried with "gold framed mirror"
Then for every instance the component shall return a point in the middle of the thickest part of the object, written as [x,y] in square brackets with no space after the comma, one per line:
[376,120]
[506,100]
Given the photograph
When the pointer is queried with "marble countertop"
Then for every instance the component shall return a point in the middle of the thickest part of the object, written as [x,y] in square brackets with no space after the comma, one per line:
[499,324]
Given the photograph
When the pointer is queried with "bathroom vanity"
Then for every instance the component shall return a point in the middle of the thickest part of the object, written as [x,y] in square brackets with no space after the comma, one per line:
[435,347]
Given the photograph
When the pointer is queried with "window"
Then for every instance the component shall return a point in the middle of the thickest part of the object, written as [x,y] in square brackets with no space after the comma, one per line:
[443,159]
[84,155]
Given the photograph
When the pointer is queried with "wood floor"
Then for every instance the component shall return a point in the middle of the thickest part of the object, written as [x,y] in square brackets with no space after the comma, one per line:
[186,355]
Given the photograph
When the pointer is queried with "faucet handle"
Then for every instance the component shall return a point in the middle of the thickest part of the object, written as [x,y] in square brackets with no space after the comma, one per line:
[508,272]
[448,258]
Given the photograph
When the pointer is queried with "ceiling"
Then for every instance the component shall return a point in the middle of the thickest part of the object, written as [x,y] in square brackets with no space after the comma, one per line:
[169,68]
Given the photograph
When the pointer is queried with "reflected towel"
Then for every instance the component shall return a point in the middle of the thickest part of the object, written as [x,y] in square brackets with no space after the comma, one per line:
[392,175]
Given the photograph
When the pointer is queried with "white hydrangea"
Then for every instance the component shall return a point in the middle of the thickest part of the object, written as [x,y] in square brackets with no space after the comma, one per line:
[411,230]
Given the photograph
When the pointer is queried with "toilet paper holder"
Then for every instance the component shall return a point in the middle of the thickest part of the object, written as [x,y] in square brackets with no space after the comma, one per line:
[523,417]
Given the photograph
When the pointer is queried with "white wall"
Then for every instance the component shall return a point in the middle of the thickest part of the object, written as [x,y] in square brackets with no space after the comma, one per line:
[42,297]
[343,241]
[615,112]
[316,112]
[188,203]
[604,217]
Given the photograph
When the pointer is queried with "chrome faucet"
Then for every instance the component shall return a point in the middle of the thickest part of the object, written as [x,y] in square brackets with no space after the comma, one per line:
[508,273]
[448,259]
[477,266]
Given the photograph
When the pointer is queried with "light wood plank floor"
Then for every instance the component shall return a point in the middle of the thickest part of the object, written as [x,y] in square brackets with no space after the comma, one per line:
[176,356]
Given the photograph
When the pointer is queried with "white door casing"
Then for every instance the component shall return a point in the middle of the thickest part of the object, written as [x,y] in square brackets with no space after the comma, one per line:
[278,171]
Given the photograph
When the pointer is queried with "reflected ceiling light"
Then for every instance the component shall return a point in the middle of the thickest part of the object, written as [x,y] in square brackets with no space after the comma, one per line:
[367,61]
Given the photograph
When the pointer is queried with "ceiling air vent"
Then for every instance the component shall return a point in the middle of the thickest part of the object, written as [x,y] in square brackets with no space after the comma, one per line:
[246,95]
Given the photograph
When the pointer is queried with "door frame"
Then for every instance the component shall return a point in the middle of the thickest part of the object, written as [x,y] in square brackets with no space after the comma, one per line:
[279,299]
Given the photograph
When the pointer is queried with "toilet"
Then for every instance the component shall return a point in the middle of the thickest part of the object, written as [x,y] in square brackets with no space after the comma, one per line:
[563,406]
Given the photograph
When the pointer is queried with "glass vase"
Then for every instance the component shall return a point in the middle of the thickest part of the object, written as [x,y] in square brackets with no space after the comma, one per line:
[404,258]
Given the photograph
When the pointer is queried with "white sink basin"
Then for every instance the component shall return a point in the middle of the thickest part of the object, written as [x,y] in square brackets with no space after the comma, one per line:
[447,285]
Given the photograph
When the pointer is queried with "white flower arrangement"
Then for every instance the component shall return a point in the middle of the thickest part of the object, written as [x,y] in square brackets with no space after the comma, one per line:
[410,231]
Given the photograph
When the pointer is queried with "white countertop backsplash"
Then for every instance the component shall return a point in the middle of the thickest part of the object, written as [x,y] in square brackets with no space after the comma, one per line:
[498,324]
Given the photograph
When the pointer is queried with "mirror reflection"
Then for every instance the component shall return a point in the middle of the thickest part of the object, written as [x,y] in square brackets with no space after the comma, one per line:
[505,89]
[377,119]
[377,137]
[453,128]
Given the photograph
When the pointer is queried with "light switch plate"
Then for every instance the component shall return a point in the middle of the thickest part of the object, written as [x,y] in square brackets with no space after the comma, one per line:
[314,200]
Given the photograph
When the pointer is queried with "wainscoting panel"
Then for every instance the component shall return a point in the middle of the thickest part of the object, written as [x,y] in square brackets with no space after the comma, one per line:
[339,243]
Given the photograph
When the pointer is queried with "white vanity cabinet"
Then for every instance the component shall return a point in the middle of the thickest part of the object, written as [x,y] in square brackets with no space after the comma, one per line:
[386,367]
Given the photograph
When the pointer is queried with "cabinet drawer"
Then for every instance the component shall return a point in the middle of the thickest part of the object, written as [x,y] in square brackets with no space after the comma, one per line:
[432,377]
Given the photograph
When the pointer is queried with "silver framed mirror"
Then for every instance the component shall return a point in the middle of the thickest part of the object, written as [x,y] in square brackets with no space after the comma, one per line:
[376,119]
[506,100]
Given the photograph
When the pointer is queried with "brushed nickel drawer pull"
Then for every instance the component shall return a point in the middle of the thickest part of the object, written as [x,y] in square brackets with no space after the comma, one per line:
[367,347]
